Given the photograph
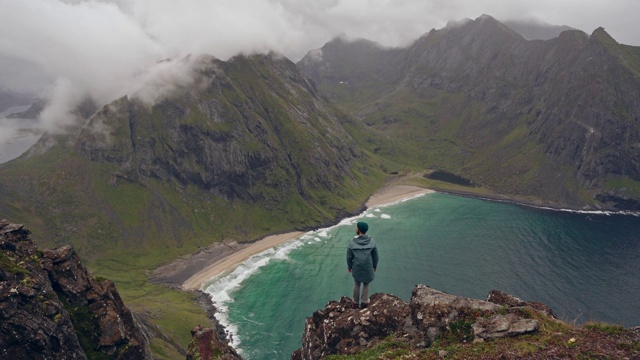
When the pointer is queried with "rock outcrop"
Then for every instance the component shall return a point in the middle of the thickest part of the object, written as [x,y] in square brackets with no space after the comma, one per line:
[429,315]
[208,344]
[34,323]
[51,308]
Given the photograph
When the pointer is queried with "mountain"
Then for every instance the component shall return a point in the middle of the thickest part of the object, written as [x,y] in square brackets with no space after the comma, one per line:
[250,140]
[550,122]
[248,149]
[532,30]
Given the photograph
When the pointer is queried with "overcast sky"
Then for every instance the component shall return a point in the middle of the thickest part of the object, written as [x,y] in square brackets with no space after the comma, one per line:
[66,49]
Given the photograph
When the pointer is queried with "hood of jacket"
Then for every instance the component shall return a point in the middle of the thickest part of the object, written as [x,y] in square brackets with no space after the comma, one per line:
[362,242]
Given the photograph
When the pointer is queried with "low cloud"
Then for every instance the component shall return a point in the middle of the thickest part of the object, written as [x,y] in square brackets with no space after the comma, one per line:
[71,50]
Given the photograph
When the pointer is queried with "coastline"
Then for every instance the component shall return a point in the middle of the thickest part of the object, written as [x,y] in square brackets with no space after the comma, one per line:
[191,273]
[236,258]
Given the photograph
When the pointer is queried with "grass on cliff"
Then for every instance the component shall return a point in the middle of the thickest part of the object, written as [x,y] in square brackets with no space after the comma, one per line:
[554,340]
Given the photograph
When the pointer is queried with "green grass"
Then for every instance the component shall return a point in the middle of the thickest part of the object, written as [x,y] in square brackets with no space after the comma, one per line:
[176,312]
[8,264]
[623,183]
[390,348]
[86,328]
[610,329]
[554,339]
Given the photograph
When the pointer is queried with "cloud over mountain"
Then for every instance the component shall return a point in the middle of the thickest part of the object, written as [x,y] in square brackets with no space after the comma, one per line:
[66,50]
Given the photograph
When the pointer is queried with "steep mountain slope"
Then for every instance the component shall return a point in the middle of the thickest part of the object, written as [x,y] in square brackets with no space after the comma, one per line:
[251,145]
[248,149]
[552,122]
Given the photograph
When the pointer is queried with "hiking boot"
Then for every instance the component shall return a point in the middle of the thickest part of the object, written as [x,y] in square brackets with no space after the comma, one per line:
[355,305]
[363,305]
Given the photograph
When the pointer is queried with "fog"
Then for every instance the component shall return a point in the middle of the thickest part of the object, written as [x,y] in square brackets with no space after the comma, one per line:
[66,51]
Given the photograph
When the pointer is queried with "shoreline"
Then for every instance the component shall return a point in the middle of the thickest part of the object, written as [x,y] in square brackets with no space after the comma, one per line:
[211,262]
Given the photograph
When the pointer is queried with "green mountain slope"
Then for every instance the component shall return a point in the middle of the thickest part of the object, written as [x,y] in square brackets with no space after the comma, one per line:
[550,122]
[251,149]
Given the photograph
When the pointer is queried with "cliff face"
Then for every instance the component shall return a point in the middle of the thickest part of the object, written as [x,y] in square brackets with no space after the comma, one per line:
[52,309]
[479,100]
[229,134]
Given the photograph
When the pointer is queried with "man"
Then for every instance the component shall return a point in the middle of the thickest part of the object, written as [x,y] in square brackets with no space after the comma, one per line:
[362,260]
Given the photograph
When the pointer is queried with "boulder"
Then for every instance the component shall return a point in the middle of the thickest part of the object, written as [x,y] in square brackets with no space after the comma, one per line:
[432,310]
[500,326]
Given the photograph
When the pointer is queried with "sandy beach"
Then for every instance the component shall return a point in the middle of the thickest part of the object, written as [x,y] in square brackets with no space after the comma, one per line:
[236,258]
[235,254]
[394,193]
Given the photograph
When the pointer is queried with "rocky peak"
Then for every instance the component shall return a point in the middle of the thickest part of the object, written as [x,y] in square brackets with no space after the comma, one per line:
[483,32]
[601,35]
[51,308]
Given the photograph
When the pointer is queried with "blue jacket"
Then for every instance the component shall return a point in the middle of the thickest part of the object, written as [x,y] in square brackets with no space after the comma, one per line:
[362,258]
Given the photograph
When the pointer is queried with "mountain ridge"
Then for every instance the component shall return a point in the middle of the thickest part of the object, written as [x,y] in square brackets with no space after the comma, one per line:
[476,95]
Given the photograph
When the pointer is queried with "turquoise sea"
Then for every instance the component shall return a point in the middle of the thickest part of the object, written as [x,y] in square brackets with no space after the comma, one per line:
[586,266]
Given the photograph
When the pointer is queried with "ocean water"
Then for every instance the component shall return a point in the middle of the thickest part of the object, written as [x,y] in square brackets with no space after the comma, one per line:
[586,266]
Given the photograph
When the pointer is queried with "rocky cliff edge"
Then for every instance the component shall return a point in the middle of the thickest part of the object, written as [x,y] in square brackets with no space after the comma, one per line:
[51,308]
[436,325]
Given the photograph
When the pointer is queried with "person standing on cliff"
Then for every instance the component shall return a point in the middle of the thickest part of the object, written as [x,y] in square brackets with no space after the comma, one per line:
[362,261]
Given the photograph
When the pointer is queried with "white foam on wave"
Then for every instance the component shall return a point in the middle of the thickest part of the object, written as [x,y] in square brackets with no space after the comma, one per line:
[223,285]
[385,216]
[573,211]
[592,212]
